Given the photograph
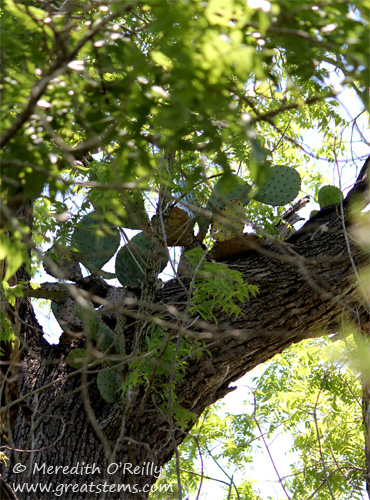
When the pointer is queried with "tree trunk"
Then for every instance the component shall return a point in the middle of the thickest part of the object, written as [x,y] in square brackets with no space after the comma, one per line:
[306,284]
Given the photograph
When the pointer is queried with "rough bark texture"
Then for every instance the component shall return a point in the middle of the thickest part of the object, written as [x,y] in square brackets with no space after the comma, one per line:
[306,285]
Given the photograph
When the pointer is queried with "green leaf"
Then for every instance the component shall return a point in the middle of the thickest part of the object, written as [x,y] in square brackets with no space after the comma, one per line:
[7,334]
[15,254]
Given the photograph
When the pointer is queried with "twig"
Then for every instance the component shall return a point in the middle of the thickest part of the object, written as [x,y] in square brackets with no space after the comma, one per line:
[58,67]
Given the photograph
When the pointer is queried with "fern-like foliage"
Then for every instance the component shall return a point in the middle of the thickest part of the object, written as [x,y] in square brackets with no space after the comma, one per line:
[217,288]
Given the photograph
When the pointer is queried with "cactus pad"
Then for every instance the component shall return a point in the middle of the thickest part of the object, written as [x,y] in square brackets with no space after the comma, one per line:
[78,358]
[66,314]
[234,214]
[179,227]
[66,264]
[109,383]
[282,186]
[134,215]
[94,245]
[132,259]
[228,189]
[106,339]
[328,195]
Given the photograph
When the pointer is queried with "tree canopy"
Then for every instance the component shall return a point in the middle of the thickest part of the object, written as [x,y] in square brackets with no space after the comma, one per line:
[142,137]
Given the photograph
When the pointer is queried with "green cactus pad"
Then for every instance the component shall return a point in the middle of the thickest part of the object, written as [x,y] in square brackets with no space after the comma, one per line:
[281,188]
[119,346]
[132,258]
[93,244]
[134,215]
[106,338]
[89,319]
[328,195]
[78,358]
[203,223]
[108,342]
[55,310]
[228,189]
[66,265]
[109,383]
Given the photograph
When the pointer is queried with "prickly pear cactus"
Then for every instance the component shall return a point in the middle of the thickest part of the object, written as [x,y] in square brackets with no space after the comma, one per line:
[109,383]
[132,258]
[281,188]
[328,195]
[93,245]
[234,214]
[133,215]
[79,358]
[179,227]
[107,340]
[65,263]
[228,189]
[67,316]
[116,300]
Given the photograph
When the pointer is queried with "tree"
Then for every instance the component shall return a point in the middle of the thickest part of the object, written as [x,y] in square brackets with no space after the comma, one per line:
[198,110]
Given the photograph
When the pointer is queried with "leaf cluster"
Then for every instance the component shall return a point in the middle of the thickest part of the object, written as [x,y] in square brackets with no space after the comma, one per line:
[217,288]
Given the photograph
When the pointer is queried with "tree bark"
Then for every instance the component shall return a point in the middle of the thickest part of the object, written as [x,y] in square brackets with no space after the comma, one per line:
[306,285]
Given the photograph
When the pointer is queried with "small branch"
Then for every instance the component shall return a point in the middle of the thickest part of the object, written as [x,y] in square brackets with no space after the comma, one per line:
[289,107]
[56,69]
[49,291]
[205,477]
[230,478]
